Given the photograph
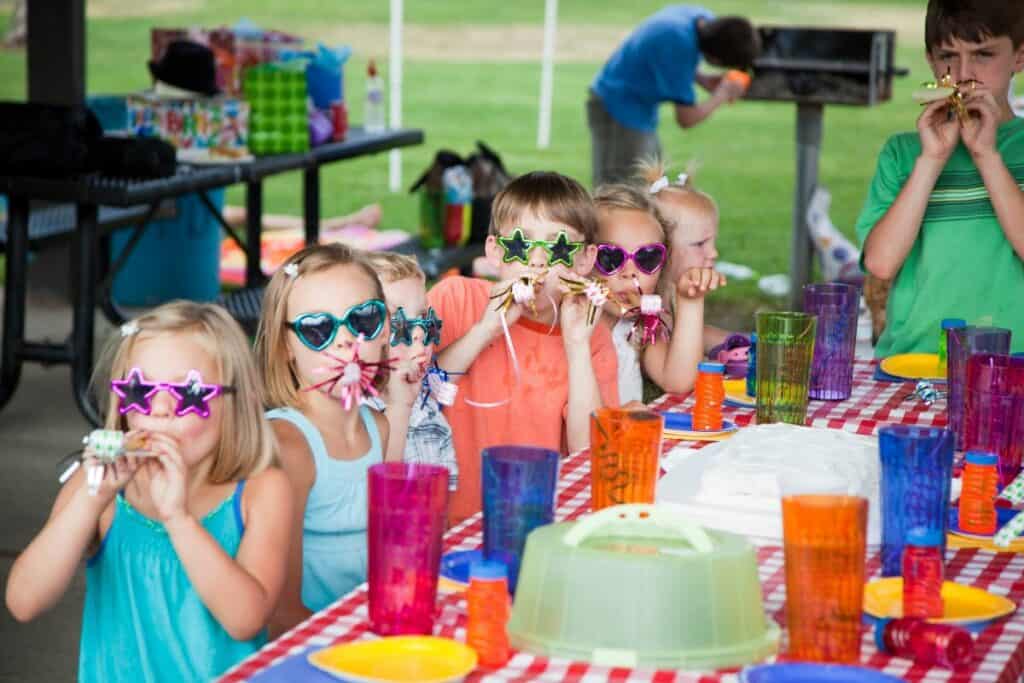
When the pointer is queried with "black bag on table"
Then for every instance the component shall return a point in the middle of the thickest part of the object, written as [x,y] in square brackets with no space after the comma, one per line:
[489,177]
[46,140]
[55,141]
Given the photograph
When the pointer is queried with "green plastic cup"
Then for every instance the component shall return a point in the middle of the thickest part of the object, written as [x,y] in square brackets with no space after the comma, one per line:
[785,351]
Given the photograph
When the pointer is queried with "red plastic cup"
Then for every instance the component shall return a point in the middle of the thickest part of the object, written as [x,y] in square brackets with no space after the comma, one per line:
[407,509]
[961,343]
[993,415]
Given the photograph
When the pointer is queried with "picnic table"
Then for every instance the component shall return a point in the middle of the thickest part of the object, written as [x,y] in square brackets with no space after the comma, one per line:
[90,196]
[999,649]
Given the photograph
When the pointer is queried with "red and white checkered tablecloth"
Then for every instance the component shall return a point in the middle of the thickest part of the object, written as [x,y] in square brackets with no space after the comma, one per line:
[999,649]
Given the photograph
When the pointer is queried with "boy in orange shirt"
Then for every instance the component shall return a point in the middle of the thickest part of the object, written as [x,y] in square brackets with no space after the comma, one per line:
[563,368]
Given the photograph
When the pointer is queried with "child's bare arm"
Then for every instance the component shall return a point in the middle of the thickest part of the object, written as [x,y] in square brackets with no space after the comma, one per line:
[458,356]
[713,336]
[1007,200]
[892,237]
[41,574]
[297,463]
[672,364]
[584,392]
[242,591]
[979,135]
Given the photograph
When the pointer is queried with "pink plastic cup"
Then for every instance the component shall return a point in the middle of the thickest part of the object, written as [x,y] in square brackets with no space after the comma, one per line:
[993,410]
[407,509]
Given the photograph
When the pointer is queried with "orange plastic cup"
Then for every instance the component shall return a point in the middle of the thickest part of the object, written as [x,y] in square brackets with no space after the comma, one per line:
[625,446]
[824,539]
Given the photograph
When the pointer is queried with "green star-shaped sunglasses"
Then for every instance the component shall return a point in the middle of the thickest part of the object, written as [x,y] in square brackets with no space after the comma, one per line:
[518,248]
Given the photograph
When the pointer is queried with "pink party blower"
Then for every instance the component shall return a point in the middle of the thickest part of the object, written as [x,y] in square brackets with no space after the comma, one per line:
[407,508]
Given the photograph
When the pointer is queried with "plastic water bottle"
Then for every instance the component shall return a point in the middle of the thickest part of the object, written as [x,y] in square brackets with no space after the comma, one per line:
[927,644]
[373,115]
[488,611]
[977,509]
[709,396]
[458,203]
[923,574]
[947,324]
[752,367]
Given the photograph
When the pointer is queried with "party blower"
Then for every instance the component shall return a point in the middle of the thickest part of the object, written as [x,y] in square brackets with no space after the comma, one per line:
[104,447]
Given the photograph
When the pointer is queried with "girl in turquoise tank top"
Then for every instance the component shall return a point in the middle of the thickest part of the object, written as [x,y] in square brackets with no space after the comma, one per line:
[322,351]
[184,535]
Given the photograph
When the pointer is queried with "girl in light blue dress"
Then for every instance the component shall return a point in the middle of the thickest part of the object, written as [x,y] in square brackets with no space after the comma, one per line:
[184,536]
[321,348]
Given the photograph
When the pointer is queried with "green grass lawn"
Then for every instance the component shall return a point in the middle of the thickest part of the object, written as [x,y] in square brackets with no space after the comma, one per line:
[747,150]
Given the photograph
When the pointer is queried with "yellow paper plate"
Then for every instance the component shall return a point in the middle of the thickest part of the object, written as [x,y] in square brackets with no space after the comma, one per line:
[736,392]
[958,541]
[883,598]
[673,435]
[913,366]
[399,659]
[449,586]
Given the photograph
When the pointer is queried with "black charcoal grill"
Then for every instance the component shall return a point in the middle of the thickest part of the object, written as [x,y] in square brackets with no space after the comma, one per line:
[814,67]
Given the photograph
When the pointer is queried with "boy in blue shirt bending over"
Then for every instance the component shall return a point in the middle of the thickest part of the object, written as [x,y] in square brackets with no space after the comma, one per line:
[658,63]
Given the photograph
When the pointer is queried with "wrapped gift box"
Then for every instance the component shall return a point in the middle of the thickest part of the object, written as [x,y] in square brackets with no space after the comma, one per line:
[199,127]
[232,51]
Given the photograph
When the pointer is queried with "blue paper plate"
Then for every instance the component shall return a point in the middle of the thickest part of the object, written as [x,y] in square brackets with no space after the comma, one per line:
[455,565]
[798,672]
[1003,516]
[683,422]
[294,668]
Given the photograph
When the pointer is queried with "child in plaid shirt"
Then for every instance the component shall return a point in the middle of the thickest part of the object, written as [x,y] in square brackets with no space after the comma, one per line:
[419,431]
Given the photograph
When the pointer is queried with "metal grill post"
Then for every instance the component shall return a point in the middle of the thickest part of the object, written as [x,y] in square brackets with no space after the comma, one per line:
[808,152]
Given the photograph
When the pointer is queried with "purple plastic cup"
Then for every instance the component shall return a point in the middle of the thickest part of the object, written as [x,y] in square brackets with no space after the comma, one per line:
[837,306]
[408,504]
[961,343]
[994,393]
[518,484]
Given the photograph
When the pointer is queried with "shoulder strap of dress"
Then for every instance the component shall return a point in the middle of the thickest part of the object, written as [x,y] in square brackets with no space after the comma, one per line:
[370,421]
[313,437]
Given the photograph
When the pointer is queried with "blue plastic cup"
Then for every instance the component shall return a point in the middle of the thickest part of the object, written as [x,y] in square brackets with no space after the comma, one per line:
[917,466]
[518,495]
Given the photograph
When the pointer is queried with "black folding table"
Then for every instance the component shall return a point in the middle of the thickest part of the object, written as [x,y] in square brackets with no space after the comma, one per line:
[89,193]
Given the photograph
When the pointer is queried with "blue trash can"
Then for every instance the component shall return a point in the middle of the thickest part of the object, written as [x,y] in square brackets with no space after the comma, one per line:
[177,258]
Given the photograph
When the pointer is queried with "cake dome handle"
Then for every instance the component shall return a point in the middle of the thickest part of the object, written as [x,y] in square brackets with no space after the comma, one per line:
[662,515]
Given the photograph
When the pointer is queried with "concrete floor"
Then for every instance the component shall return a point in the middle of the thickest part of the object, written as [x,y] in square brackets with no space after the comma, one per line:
[39,426]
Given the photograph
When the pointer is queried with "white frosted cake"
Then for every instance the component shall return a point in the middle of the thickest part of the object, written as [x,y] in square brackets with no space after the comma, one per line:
[737,484]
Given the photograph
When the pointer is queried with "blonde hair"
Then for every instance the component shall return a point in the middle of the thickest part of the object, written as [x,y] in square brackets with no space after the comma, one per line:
[557,197]
[247,444]
[392,267]
[631,198]
[682,194]
[280,383]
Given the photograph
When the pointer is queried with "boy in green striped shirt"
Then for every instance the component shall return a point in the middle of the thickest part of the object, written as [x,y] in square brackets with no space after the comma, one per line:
[944,216]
